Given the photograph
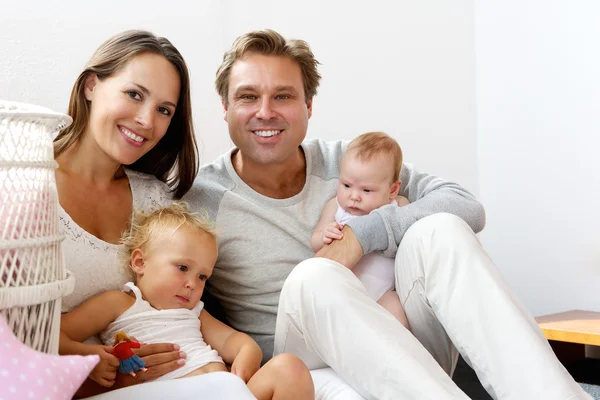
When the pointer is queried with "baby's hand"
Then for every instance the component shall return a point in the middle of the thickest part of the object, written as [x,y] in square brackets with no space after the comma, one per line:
[105,372]
[402,201]
[332,232]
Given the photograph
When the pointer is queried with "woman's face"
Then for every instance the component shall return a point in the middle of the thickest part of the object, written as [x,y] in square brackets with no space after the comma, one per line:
[131,110]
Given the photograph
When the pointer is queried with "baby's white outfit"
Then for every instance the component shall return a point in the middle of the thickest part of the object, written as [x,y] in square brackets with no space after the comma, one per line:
[178,326]
[375,271]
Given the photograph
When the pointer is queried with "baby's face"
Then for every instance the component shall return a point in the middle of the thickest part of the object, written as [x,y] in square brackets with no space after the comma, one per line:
[365,185]
[176,267]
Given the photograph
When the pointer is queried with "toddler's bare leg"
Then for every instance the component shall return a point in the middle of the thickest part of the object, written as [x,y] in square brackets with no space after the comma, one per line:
[391,302]
[284,377]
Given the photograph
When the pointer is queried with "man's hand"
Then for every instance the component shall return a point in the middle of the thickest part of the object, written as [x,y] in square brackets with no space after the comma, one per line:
[347,250]
[333,231]
[105,371]
[247,362]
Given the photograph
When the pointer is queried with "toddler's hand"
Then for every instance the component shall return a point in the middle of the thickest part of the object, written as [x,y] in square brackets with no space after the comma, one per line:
[133,339]
[246,364]
[242,372]
[105,372]
[332,232]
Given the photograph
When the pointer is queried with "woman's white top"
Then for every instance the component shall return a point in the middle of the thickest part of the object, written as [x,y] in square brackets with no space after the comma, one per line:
[94,262]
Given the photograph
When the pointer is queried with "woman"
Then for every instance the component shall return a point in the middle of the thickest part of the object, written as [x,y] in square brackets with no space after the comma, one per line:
[130,107]
[131,147]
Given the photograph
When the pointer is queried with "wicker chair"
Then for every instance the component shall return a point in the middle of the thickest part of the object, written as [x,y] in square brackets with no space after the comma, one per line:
[33,277]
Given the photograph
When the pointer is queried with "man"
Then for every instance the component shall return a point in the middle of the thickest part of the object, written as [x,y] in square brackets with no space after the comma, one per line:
[266,196]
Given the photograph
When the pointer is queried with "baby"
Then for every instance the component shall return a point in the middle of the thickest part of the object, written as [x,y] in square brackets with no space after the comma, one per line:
[369,179]
[172,253]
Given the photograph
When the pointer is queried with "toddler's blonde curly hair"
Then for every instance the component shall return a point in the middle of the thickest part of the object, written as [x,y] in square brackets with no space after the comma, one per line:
[145,227]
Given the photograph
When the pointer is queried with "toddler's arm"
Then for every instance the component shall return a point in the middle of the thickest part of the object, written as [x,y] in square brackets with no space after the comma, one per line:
[326,223]
[235,348]
[89,319]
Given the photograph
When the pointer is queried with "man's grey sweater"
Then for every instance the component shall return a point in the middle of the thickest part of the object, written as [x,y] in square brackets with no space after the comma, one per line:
[262,239]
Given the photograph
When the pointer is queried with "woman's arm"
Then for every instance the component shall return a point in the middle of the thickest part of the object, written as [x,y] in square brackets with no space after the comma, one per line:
[91,318]
[234,347]
[160,358]
[327,217]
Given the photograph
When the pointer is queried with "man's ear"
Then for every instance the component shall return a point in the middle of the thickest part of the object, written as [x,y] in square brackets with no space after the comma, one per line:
[225,107]
[137,262]
[90,83]
[394,189]
[309,107]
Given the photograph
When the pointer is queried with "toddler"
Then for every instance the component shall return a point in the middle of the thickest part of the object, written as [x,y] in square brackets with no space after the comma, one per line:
[172,253]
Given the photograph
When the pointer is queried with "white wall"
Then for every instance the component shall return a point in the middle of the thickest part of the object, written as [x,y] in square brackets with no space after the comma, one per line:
[529,147]
[44,48]
[400,66]
[538,100]
[403,67]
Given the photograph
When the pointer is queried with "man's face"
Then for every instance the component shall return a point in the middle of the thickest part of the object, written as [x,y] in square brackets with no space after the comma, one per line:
[266,110]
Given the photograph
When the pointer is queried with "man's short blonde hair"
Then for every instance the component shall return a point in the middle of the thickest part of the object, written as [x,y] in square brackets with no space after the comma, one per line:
[374,144]
[146,227]
[270,43]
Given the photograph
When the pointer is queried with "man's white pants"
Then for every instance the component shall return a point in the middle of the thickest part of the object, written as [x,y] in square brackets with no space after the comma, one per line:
[454,297]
